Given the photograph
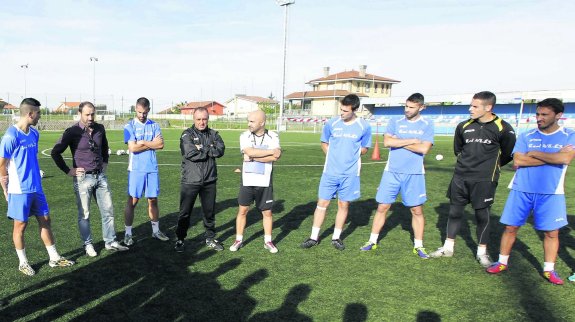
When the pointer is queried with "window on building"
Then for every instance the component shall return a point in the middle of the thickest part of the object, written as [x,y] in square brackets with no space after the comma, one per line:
[358,87]
[375,86]
[367,87]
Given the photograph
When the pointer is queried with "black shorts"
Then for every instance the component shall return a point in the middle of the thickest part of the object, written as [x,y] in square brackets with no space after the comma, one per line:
[263,196]
[479,194]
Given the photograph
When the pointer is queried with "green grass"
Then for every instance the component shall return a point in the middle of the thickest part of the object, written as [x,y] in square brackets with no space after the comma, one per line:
[152,282]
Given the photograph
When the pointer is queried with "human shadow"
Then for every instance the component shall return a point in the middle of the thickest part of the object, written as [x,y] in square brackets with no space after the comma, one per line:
[358,216]
[469,235]
[355,312]
[566,241]
[137,285]
[288,311]
[398,215]
[427,316]
[196,228]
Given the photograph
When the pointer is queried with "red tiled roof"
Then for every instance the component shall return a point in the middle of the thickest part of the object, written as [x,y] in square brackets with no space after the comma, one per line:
[353,74]
[322,94]
[71,104]
[258,99]
[194,105]
[9,106]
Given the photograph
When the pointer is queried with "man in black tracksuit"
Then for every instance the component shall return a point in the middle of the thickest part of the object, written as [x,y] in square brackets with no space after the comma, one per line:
[482,145]
[200,146]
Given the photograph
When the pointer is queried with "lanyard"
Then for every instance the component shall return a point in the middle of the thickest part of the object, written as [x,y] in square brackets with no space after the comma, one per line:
[254,139]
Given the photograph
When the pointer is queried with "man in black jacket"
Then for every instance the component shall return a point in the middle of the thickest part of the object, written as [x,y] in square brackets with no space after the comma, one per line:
[482,144]
[200,146]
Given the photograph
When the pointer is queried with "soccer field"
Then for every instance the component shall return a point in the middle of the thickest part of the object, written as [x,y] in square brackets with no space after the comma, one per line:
[153,282]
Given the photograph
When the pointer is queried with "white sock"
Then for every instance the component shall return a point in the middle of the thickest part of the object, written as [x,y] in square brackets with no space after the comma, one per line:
[336,233]
[267,238]
[548,267]
[373,238]
[481,250]
[53,253]
[22,255]
[155,226]
[128,230]
[503,259]
[240,237]
[449,245]
[417,243]
[314,233]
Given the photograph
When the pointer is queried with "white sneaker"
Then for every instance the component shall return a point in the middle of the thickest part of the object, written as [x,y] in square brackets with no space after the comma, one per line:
[236,246]
[128,240]
[90,251]
[26,269]
[116,246]
[441,252]
[271,247]
[160,236]
[484,260]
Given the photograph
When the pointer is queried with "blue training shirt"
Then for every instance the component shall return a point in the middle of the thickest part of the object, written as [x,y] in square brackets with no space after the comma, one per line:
[135,130]
[345,142]
[23,170]
[402,160]
[547,178]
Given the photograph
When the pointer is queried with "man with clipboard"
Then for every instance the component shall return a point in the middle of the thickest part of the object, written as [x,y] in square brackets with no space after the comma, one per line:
[260,148]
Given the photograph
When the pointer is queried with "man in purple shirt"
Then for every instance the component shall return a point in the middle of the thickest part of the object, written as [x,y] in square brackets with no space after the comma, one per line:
[89,146]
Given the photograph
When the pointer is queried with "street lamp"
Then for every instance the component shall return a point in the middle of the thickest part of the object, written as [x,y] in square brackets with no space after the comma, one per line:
[94,59]
[25,67]
[285,4]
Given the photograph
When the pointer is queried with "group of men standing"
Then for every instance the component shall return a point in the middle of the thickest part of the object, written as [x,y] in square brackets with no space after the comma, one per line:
[482,145]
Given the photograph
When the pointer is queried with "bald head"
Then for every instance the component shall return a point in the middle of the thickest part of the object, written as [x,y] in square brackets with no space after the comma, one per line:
[257,122]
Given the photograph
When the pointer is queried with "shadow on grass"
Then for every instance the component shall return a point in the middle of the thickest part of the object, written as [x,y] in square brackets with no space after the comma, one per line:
[141,284]
[288,311]
[428,316]
[358,216]
[355,312]
[398,215]
[566,241]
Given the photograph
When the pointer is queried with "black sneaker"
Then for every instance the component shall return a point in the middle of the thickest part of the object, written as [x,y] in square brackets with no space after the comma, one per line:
[338,244]
[309,243]
[214,244]
[179,246]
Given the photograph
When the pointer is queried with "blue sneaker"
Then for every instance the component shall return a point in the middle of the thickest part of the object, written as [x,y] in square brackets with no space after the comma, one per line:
[572,278]
[420,251]
[368,246]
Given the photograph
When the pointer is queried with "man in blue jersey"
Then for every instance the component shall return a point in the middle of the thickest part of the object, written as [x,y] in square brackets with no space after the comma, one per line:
[542,157]
[89,146]
[409,138]
[344,139]
[143,137]
[22,185]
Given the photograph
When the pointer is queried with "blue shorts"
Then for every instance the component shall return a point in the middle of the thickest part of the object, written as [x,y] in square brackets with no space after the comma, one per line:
[138,182]
[549,211]
[22,206]
[346,188]
[411,186]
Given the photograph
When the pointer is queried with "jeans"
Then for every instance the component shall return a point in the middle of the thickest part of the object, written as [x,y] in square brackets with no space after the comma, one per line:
[188,195]
[86,187]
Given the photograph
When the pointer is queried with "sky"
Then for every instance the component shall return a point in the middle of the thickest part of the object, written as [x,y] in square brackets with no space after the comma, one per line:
[173,51]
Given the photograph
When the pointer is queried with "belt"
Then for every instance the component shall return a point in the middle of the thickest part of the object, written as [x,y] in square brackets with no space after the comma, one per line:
[93,172]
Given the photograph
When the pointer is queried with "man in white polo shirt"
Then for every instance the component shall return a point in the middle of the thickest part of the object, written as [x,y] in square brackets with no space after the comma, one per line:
[260,148]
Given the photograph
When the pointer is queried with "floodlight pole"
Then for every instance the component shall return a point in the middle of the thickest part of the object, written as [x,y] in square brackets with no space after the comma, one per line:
[25,67]
[285,4]
[94,60]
